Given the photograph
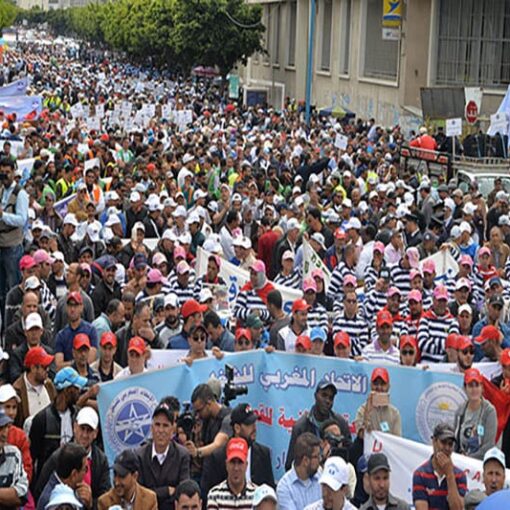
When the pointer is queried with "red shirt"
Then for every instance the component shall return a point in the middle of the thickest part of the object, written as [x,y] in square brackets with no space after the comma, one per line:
[18,438]
[265,249]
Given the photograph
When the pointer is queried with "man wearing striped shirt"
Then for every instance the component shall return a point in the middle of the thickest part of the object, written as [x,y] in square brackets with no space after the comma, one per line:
[382,349]
[435,326]
[317,315]
[401,272]
[235,491]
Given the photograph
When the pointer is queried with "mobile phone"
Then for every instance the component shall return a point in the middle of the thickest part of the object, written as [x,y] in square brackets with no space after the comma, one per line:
[380,399]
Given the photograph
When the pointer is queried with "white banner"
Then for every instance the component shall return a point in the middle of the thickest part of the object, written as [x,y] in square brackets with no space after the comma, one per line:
[311,261]
[404,456]
[164,358]
[235,277]
[488,369]
[446,265]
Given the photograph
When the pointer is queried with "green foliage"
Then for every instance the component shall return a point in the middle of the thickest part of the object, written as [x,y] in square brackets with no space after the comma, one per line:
[8,12]
[177,33]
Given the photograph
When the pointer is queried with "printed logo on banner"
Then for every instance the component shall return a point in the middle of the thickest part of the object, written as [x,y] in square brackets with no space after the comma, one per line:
[129,417]
[438,403]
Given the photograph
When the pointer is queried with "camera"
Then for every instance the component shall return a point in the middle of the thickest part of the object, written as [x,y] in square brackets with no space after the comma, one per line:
[186,420]
[230,390]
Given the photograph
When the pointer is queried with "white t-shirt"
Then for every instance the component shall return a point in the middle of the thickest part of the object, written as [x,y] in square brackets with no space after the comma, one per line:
[66,427]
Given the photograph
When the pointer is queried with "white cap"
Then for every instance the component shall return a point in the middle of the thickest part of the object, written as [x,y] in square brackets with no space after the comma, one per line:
[180,211]
[112,195]
[33,320]
[469,209]
[347,202]
[88,416]
[182,267]
[171,300]
[465,227]
[184,238]
[7,392]
[408,198]
[199,194]
[263,492]
[292,224]
[169,234]
[70,219]
[289,254]
[353,223]
[335,473]
[205,295]
[495,454]
[112,220]
[455,232]
[37,224]
[319,238]
[504,220]
[448,202]
[237,198]
[187,158]
[32,283]
[193,218]
[57,255]
[465,308]
[245,243]
[135,196]
[93,232]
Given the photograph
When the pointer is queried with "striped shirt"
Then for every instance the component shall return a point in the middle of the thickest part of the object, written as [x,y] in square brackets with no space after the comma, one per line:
[318,317]
[427,487]
[48,301]
[432,334]
[399,325]
[375,301]
[293,280]
[183,293]
[477,291]
[374,353]
[401,278]
[221,497]
[370,278]
[201,282]
[248,301]
[172,277]
[357,329]
[336,285]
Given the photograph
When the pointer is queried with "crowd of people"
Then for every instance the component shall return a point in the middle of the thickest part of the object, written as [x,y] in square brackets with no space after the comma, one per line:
[98,249]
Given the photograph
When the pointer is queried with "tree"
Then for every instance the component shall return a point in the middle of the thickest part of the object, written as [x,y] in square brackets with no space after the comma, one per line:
[8,12]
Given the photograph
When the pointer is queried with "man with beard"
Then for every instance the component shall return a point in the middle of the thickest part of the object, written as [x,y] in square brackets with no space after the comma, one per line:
[287,336]
[108,288]
[311,421]
[465,354]
[172,325]
[244,424]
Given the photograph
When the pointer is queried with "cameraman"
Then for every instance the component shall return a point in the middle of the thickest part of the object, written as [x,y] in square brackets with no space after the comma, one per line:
[216,427]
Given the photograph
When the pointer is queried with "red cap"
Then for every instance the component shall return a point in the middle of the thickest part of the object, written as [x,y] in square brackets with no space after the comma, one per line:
[108,338]
[104,137]
[384,317]
[408,340]
[151,167]
[300,305]
[380,373]
[192,306]
[137,344]
[237,448]
[304,341]
[26,262]
[342,338]
[38,356]
[340,234]
[505,357]
[81,340]
[75,296]
[488,333]
[463,342]
[243,332]
[472,375]
[452,341]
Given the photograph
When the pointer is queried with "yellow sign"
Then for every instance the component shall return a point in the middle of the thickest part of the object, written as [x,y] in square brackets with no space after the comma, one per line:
[392,13]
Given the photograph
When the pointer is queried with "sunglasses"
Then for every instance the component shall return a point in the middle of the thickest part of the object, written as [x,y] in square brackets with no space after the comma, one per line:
[407,353]
[199,338]
[244,343]
[468,351]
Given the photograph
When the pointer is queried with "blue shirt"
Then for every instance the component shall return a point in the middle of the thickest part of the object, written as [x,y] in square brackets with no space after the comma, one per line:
[20,217]
[294,493]
[65,337]
[179,341]
[477,328]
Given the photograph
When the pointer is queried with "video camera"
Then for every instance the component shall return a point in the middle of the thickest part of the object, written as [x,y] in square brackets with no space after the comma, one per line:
[231,391]
[186,420]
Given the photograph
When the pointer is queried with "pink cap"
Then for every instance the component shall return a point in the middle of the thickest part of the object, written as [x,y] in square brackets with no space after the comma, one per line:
[41,256]
[179,251]
[182,267]
[216,259]
[413,255]
[466,259]
[440,292]
[154,276]
[258,266]
[414,295]
[318,273]
[429,266]
[483,251]
[415,273]
[350,280]
[309,284]
[393,291]
[378,246]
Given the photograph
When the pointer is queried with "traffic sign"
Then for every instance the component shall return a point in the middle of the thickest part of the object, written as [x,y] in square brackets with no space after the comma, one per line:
[471,112]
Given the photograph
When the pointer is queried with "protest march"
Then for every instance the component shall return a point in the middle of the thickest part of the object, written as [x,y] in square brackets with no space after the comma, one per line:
[211,305]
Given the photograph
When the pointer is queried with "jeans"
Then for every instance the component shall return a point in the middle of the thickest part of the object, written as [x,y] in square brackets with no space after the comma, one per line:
[10,274]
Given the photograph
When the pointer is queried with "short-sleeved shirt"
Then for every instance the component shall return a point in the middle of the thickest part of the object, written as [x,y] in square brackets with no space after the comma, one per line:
[426,486]
[65,337]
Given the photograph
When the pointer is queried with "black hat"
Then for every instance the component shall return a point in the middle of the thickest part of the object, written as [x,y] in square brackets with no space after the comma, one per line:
[325,383]
[196,328]
[443,431]
[243,414]
[163,408]
[497,299]
[376,462]
[125,463]
[411,217]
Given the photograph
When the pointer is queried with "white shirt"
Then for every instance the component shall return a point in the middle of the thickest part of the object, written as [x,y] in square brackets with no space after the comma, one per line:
[319,506]
[38,397]
[126,372]
[160,456]
[66,427]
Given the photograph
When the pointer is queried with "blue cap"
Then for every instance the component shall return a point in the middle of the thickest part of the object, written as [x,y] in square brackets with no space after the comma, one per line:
[4,419]
[317,333]
[68,376]
[362,465]
[63,495]
[324,383]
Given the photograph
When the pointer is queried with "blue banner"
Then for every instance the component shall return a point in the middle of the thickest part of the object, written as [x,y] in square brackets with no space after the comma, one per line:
[22,106]
[280,389]
[16,88]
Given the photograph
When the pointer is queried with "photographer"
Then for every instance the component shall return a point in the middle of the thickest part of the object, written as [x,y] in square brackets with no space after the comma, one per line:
[216,428]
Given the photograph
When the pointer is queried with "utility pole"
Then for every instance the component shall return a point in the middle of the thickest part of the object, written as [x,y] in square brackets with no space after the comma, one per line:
[309,70]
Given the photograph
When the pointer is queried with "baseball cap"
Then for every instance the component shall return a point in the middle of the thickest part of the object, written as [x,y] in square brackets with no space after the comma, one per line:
[254,321]
[74,297]
[393,291]
[137,344]
[463,342]
[309,284]
[27,262]
[38,356]
[139,261]
[379,247]
[505,357]
[384,317]
[243,333]
[484,251]
[465,308]
[108,338]
[41,256]
[414,295]
[497,299]
[68,376]
[33,320]
[380,373]
[70,219]
[495,280]
[163,408]
[408,340]
[205,295]
[325,383]
[88,416]
[155,276]
[342,338]
[263,492]
[317,333]
[304,341]
[125,463]
[335,473]
[318,273]
[293,223]
[443,431]
[340,233]
[452,341]
[495,454]
[4,419]
[461,283]
[288,254]
[32,283]
[172,300]
[319,239]
[376,462]
[81,340]
[414,273]
[258,266]
[7,392]
[237,448]
[472,375]
[243,414]
[488,333]
[350,279]
[413,256]
[300,305]
[190,307]
[440,292]
[429,266]
[182,267]
[466,260]
[63,495]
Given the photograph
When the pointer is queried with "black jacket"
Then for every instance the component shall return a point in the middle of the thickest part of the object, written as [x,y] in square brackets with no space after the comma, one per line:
[100,476]
[305,425]
[174,470]
[102,295]
[261,470]
[17,361]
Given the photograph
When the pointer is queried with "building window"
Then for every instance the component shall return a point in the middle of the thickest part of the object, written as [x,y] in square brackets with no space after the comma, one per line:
[380,56]
[292,17]
[473,43]
[274,13]
[345,36]
[327,23]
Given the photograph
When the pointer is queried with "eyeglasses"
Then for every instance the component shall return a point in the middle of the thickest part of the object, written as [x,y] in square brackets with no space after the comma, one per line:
[468,351]
[199,338]
[244,343]
[407,353]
